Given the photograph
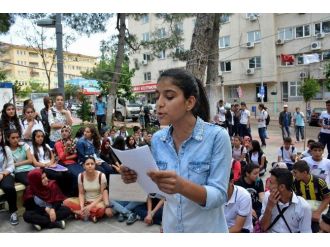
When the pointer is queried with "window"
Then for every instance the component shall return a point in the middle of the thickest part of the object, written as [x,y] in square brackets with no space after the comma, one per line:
[147,76]
[225,66]
[285,33]
[301,60]
[33,54]
[224,18]
[294,88]
[161,33]
[232,90]
[178,27]
[258,99]
[162,54]
[322,27]
[17,52]
[302,31]
[253,36]
[285,94]
[145,18]
[255,62]
[326,55]
[224,41]
[146,57]
[145,37]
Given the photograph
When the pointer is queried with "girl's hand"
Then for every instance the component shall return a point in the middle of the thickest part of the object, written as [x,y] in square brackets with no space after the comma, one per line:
[52,215]
[127,175]
[167,181]
[148,219]
[51,165]
[117,167]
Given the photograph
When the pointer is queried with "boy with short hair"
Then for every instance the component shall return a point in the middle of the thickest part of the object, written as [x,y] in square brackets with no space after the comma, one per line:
[307,152]
[319,166]
[244,123]
[287,153]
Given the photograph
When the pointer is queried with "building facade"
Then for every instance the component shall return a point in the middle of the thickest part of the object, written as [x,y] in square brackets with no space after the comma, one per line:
[250,49]
[24,64]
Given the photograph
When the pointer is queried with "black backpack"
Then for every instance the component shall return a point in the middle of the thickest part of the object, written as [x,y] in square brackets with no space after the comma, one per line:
[267,119]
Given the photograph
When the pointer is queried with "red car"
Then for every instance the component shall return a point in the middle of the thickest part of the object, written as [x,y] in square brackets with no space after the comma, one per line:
[314,120]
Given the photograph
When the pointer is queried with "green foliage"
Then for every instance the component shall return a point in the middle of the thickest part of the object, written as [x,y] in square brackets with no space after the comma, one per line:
[309,88]
[84,111]
[71,90]
[6,20]
[3,76]
[327,75]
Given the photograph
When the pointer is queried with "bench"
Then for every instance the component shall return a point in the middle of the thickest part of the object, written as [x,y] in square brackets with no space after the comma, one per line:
[20,191]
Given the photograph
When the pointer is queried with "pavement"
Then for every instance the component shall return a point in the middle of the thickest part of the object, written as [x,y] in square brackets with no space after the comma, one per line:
[107,225]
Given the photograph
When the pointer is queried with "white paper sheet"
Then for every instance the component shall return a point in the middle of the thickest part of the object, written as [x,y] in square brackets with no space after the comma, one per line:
[141,161]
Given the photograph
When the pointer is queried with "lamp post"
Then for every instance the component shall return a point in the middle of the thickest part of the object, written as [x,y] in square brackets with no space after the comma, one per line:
[222,88]
[51,23]
[261,90]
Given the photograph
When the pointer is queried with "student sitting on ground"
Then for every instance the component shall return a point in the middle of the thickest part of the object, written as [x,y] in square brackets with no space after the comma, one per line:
[257,157]
[274,165]
[93,201]
[238,150]
[152,211]
[21,155]
[29,124]
[43,202]
[307,152]
[311,188]
[287,153]
[319,166]
[130,142]
[238,209]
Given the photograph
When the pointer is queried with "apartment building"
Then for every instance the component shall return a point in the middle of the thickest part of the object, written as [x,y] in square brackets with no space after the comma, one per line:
[250,49]
[24,64]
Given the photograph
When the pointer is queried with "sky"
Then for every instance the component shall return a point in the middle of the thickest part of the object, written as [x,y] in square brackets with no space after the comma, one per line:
[83,44]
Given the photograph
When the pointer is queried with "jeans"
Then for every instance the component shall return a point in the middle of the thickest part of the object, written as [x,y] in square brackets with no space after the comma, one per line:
[243,130]
[74,170]
[124,207]
[285,131]
[100,120]
[325,140]
[300,129]
[7,184]
[21,177]
[142,211]
[262,135]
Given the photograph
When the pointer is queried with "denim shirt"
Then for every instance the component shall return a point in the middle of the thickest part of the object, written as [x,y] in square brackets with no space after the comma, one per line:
[84,149]
[204,159]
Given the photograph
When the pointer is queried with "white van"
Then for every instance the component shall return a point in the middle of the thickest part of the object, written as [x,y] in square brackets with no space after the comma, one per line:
[126,110]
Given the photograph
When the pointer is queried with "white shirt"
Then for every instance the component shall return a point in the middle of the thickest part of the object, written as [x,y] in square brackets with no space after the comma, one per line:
[244,116]
[237,152]
[319,168]
[287,154]
[325,117]
[37,126]
[298,215]
[41,153]
[254,158]
[262,119]
[240,203]
[222,112]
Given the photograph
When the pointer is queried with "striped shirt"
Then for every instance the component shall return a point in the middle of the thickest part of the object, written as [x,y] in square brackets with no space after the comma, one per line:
[315,189]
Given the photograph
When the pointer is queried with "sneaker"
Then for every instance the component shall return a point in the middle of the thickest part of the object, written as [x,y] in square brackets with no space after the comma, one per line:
[94,219]
[13,219]
[60,224]
[37,227]
[121,218]
[132,218]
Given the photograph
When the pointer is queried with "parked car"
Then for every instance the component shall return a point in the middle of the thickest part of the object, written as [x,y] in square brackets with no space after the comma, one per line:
[314,119]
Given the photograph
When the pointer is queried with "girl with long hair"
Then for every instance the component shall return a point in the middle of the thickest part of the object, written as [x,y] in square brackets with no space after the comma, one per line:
[30,124]
[9,119]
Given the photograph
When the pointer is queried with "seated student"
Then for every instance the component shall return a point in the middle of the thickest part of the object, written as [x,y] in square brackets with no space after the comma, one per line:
[311,188]
[65,148]
[307,152]
[274,165]
[257,157]
[107,153]
[44,157]
[43,202]
[325,223]
[238,150]
[21,155]
[30,123]
[238,209]
[130,142]
[282,210]
[253,184]
[287,153]
[89,145]
[7,180]
[122,132]
[79,134]
[93,201]
[147,139]
[111,137]
[247,143]
[319,166]
[152,211]
[119,143]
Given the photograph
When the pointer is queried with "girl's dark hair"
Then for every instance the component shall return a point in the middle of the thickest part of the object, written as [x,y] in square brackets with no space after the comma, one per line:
[103,149]
[255,146]
[2,144]
[95,137]
[89,157]
[5,119]
[46,101]
[27,102]
[190,86]
[80,132]
[128,145]
[8,134]
[119,143]
[28,107]
[43,145]
[248,169]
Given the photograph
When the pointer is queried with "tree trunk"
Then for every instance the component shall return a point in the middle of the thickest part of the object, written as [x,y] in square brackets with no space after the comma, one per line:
[200,45]
[213,90]
[121,26]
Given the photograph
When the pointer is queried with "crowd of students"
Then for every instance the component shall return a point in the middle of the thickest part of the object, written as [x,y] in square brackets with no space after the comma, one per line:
[65,176]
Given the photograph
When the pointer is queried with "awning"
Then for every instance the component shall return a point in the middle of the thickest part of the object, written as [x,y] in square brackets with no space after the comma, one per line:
[89,87]
[145,88]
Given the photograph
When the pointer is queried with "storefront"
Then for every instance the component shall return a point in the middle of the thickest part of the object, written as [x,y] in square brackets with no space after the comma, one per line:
[145,92]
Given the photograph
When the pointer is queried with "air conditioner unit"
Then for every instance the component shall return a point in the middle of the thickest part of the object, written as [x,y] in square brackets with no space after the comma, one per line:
[252,18]
[315,45]
[144,62]
[250,44]
[303,74]
[279,42]
[320,35]
[250,71]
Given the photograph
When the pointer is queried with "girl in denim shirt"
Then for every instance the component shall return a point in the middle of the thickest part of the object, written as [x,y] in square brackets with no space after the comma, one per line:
[193,156]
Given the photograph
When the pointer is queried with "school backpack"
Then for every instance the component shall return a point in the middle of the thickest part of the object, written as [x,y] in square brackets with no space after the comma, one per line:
[263,171]
[267,119]
[236,168]
[292,149]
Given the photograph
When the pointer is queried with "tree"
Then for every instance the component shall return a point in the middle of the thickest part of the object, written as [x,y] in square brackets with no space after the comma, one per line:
[70,91]
[309,88]
[327,75]
[3,76]
[84,110]
[6,21]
